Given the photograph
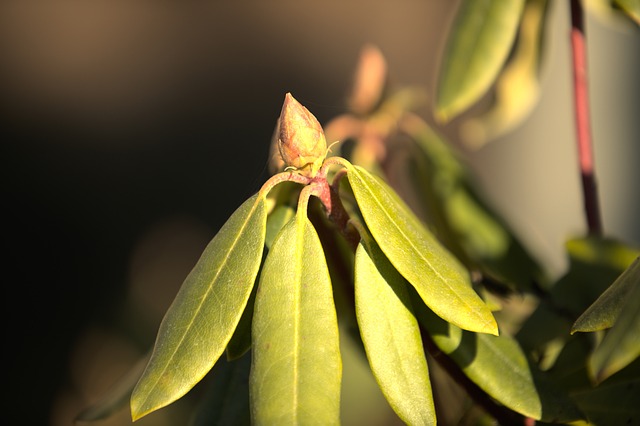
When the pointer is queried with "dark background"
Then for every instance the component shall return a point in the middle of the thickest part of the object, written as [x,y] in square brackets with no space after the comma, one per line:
[131,131]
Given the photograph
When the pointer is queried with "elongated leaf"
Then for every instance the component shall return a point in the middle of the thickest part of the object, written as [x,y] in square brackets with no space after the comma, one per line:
[205,312]
[438,277]
[296,372]
[517,87]
[602,314]
[621,344]
[479,43]
[594,263]
[498,366]
[391,337]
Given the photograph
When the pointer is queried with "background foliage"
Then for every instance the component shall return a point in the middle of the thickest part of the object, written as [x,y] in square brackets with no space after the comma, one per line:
[96,182]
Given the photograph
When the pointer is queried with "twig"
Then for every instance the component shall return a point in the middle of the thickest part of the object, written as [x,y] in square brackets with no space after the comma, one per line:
[583,130]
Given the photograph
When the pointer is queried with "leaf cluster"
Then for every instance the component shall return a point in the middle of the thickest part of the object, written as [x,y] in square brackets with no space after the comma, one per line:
[391,232]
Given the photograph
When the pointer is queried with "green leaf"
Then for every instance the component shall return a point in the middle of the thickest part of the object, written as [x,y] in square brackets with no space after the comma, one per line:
[438,277]
[602,314]
[594,263]
[478,45]
[296,373]
[467,225]
[498,366]
[205,312]
[621,344]
[517,87]
[391,336]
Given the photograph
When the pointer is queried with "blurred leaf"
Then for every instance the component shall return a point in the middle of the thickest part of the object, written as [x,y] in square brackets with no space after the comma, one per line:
[391,336]
[602,314]
[594,263]
[498,366]
[205,312]
[296,373]
[477,47]
[226,401]
[116,397]
[630,7]
[517,88]
[621,344]
[467,225]
[614,13]
[438,277]
[614,402]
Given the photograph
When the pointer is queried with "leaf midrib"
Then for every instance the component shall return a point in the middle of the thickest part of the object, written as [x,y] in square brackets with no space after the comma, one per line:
[206,295]
[383,209]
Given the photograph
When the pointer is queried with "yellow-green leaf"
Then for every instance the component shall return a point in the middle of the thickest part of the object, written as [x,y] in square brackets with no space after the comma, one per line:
[478,45]
[438,277]
[297,370]
[205,312]
[391,337]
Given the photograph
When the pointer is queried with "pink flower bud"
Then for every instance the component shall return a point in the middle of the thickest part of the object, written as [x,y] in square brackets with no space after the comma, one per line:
[301,141]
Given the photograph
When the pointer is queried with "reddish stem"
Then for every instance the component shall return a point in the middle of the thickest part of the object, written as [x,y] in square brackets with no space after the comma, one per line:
[583,130]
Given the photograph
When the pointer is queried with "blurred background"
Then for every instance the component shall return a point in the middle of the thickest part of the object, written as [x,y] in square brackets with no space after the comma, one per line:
[132,130]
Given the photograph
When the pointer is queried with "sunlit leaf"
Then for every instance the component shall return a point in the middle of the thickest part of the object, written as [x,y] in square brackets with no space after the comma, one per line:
[438,277]
[296,372]
[621,344]
[517,87]
[205,312]
[477,48]
[391,336]
[498,366]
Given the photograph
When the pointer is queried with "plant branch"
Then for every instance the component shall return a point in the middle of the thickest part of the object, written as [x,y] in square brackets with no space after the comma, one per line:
[583,129]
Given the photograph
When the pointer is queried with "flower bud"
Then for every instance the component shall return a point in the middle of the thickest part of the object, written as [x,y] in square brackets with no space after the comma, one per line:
[301,141]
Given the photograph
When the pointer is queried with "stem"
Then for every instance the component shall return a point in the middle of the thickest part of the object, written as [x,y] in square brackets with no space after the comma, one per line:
[283,177]
[583,130]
